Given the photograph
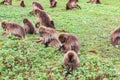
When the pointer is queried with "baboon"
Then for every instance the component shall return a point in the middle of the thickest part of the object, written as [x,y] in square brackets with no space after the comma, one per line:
[94,1]
[36,5]
[28,26]
[53,3]
[43,19]
[69,42]
[70,61]
[72,4]
[49,37]
[115,37]
[7,2]
[22,4]
[13,28]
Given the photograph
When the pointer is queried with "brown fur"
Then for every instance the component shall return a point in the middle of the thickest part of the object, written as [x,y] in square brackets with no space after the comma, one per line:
[72,4]
[13,28]
[69,42]
[43,18]
[22,4]
[53,3]
[70,60]
[28,26]
[36,5]
[7,2]
[94,1]
[115,37]
[49,37]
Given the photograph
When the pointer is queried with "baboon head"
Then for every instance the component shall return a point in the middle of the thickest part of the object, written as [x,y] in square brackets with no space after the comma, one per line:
[4,25]
[63,38]
[25,20]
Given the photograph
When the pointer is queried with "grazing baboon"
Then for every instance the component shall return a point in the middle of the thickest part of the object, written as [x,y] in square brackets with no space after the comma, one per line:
[13,28]
[69,42]
[70,61]
[7,2]
[72,4]
[49,37]
[36,5]
[43,19]
[28,26]
[22,4]
[115,37]
[53,3]
[94,1]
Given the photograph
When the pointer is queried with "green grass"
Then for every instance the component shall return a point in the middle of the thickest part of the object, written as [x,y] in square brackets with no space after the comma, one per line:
[26,59]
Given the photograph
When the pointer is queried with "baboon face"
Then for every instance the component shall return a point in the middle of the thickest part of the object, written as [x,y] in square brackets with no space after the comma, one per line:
[3,24]
[62,38]
[36,11]
[25,20]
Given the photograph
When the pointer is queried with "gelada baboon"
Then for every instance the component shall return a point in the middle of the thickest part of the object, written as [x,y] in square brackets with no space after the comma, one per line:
[22,4]
[72,4]
[28,26]
[53,3]
[49,37]
[13,29]
[43,19]
[115,37]
[94,1]
[69,42]
[7,2]
[70,61]
[36,5]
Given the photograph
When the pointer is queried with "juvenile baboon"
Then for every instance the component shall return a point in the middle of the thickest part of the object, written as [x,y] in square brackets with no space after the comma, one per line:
[70,61]
[49,37]
[94,1]
[69,42]
[13,28]
[115,37]
[7,2]
[43,19]
[36,5]
[28,26]
[53,3]
[22,4]
[72,4]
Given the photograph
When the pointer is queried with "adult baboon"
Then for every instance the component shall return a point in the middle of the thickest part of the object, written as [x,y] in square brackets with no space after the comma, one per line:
[13,28]
[115,37]
[94,1]
[72,4]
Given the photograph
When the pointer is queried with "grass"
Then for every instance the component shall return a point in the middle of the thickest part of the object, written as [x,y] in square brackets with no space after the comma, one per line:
[28,60]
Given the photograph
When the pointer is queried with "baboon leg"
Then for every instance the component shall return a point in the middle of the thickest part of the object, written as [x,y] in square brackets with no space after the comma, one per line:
[78,6]
[52,23]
